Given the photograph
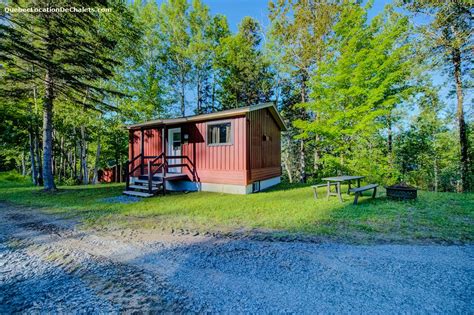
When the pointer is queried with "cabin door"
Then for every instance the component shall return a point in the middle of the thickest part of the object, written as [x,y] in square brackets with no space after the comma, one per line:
[174,149]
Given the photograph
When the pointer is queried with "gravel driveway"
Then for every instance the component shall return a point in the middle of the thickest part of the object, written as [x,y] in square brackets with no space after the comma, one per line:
[50,265]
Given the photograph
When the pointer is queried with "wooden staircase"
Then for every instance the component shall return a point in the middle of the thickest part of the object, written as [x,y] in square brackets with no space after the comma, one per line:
[139,187]
[153,176]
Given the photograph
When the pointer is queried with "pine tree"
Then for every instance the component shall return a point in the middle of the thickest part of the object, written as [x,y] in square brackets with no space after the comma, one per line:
[243,74]
[71,52]
[448,39]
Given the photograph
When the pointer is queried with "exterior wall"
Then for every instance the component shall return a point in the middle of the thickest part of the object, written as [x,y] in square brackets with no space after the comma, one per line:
[220,164]
[264,146]
[152,145]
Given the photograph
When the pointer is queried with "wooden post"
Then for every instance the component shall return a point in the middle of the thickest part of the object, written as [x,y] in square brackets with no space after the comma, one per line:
[165,161]
[356,198]
[328,191]
[142,152]
[338,187]
[163,146]
[150,190]
[127,176]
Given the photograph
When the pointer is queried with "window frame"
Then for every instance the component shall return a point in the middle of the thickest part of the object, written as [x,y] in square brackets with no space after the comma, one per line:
[220,122]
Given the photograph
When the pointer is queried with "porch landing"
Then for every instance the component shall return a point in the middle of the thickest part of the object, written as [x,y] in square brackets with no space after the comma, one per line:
[138,186]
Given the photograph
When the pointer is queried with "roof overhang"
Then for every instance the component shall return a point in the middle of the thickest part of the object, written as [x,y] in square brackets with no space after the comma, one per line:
[212,116]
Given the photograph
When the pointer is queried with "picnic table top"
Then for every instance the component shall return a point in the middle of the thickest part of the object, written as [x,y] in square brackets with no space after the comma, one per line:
[342,178]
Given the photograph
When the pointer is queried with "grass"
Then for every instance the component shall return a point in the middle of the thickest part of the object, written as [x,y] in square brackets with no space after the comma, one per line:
[285,209]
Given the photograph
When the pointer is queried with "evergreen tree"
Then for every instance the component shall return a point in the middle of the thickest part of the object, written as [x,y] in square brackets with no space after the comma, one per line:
[448,41]
[72,52]
[243,74]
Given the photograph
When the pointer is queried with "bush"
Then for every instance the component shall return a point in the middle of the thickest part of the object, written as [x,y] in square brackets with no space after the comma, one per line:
[13,177]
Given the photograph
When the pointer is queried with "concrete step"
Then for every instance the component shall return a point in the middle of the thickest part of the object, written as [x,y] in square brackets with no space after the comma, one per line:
[137,193]
[144,187]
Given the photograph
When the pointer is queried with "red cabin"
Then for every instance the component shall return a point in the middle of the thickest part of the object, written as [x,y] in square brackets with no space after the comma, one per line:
[233,151]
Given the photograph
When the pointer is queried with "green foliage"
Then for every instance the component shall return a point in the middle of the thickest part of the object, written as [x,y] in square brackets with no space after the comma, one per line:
[13,179]
[357,88]
[141,75]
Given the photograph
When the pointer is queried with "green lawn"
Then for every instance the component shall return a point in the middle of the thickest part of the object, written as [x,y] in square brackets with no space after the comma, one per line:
[286,209]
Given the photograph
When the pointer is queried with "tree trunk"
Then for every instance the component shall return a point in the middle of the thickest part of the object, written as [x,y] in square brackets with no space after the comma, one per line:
[36,165]
[74,162]
[48,134]
[71,165]
[199,100]
[38,158]
[389,136]
[95,178]
[183,109]
[85,171]
[464,161]
[390,144]
[213,101]
[34,171]
[316,160]
[302,149]
[435,174]
[23,164]
[61,159]
[302,162]
[31,144]
[288,170]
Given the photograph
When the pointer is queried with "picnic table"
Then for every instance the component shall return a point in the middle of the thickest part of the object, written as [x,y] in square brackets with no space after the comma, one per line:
[338,180]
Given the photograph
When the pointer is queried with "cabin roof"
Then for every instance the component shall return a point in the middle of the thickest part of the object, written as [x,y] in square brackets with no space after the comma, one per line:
[217,115]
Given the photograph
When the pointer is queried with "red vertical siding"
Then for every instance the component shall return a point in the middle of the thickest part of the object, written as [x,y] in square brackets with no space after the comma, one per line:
[152,145]
[222,163]
[265,146]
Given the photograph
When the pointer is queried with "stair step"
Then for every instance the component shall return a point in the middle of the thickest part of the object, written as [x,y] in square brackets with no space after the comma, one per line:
[137,193]
[142,187]
[145,181]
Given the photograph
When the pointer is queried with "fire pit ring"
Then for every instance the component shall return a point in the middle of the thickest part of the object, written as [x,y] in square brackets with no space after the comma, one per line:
[401,191]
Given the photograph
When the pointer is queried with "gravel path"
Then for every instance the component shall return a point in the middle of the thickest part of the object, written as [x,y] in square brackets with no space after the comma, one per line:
[50,265]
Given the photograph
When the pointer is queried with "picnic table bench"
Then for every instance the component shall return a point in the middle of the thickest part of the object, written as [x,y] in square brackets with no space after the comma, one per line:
[358,191]
[337,180]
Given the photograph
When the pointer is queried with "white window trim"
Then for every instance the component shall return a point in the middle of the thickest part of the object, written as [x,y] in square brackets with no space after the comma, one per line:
[219,122]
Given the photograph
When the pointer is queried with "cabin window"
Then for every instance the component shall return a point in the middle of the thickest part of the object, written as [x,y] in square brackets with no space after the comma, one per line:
[219,133]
